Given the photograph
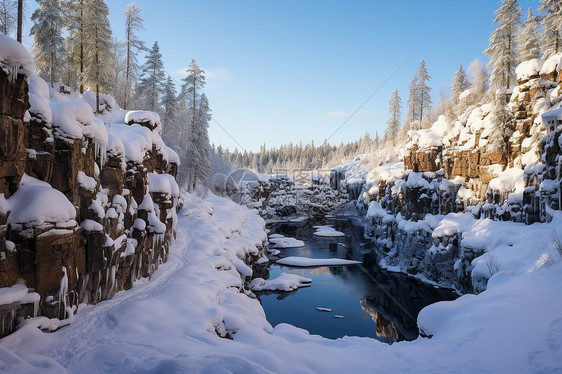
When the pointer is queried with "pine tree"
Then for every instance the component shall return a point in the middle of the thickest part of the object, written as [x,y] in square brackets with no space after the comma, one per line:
[503,47]
[393,122]
[8,15]
[97,48]
[528,38]
[423,91]
[48,45]
[552,24]
[197,113]
[459,85]
[169,105]
[133,24]
[149,88]
[413,100]
[500,118]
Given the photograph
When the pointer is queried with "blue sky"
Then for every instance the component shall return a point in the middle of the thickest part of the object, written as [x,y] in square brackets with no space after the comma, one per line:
[292,70]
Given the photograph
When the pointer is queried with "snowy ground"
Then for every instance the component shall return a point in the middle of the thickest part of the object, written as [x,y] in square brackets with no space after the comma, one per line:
[169,324]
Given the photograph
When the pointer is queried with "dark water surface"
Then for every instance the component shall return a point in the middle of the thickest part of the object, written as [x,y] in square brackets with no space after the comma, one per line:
[374,303]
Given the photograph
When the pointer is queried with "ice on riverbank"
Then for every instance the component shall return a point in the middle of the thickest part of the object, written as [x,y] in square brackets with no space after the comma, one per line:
[307,262]
[284,282]
[327,231]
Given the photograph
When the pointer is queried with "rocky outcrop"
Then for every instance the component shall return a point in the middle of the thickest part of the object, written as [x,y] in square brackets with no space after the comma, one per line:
[88,218]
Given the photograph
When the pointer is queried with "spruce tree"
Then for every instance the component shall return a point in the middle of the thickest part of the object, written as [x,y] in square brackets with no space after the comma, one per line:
[97,48]
[169,104]
[423,91]
[149,88]
[393,122]
[503,46]
[459,85]
[528,38]
[413,100]
[75,15]
[48,44]
[133,24]
[551,40]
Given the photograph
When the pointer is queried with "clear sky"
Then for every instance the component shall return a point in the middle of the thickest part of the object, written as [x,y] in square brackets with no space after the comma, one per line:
[292,70]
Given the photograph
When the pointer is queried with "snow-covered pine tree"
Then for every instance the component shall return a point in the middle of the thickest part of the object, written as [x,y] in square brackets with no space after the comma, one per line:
[423,91]
[118,70]
[393,122]
[551,41]
[413,101]
[459,84]
[503,45]
[500,118]
[97,48]
[48,43]
[197,114]
[133,24]
[8,15]
[479,84]
[75,15]
[169,103]
[528,38]
[152,79]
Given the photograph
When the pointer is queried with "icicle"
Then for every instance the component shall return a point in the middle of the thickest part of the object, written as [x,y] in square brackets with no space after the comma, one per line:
[14,73]
[63,290]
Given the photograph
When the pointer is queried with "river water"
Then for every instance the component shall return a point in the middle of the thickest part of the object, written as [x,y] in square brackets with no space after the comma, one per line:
[373,302]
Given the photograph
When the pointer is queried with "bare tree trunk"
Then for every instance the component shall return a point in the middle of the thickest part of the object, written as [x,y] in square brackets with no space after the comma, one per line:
[81,47]
[20,20]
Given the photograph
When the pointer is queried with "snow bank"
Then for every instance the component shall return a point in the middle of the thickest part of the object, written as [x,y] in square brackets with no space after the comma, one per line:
[14,58]
[164,184]
[284,282]
[39,99]
[36,203]
[305,262]
[431,137]
[552,64]
[510,180]
[133,142]
[142,117]
[528,69]
[75,120]
[9,295]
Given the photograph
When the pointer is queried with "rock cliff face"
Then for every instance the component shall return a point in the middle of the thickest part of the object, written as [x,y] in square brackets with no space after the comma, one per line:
[86,208]
[449,168]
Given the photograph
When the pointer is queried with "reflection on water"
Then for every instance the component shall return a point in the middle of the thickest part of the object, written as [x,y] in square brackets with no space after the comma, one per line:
[374,303]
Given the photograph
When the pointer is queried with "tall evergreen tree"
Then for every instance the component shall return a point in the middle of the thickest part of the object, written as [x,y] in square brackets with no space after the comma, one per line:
[48,44]
[423,91]
[459,84]
[75,14]
[528,38]
[552,24]
[501,119]
[98,46]
[503,46]
[149,88]
[8,16]
[393,122]
[479,84]
[20,21]
[413,100]
[133,24]
[170,104]
[197,114]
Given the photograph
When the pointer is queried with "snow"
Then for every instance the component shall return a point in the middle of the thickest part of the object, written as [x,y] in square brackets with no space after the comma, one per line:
[142,116]
[306,262]
[173,157]
[322,309]
[133,142]
[14,58]
[164,184]
[431,137]
[552,64]
[375,210]
[90,225]
[9,295]
[75,120]
[36,202]
[284,282]
[281,242]
[86,182]
[327,231]
[529,68]
[510,180]
[173,322]
[39,98]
